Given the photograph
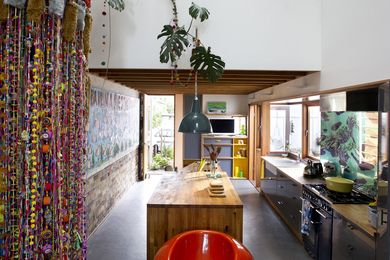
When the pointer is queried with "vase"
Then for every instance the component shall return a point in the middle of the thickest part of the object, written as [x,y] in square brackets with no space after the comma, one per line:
[213,168]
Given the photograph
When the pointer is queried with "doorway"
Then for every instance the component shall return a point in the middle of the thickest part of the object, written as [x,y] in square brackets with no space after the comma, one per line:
[159,133]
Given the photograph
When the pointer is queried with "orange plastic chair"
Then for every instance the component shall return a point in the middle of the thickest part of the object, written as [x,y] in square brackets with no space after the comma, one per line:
[203,245]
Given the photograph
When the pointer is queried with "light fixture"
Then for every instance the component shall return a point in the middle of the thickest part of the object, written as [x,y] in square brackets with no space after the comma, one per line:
[195,122]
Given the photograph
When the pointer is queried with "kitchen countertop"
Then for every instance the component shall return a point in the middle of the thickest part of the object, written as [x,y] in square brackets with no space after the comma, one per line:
[190,189]
[292,169]
[356,213]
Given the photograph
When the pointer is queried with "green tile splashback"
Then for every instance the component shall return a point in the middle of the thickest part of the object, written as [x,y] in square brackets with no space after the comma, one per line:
[349,139]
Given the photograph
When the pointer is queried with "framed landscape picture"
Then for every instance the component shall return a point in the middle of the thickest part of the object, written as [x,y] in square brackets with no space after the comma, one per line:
[216,107]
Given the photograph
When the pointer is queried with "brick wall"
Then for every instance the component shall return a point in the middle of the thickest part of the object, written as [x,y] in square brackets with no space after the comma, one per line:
[106,187]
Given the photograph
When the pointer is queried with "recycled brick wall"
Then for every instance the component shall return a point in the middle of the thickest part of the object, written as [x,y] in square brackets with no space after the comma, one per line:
[107,186]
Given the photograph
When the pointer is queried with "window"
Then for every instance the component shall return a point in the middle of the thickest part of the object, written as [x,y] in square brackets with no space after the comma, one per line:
[314,131]
[286,128]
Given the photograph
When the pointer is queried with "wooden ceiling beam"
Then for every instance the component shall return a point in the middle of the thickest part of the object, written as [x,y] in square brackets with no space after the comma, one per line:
[226,72]
[156,81]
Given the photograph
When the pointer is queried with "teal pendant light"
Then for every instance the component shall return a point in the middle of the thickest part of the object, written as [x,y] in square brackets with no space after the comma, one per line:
[195,122]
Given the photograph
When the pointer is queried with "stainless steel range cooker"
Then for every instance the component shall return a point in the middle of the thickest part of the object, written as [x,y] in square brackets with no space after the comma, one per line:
[318,240]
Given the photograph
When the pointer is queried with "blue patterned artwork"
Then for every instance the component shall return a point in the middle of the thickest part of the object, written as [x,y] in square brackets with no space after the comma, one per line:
[349,140]
[113,128]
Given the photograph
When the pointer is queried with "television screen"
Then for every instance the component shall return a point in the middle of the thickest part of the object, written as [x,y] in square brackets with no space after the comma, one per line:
[222,125]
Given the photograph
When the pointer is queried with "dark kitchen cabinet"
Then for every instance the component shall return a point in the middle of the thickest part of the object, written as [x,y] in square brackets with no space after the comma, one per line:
[349,242]
[284,194]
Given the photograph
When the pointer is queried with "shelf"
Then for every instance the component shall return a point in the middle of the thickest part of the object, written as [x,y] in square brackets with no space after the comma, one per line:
[241,157]
[219,158]
[238,178]
[240,144]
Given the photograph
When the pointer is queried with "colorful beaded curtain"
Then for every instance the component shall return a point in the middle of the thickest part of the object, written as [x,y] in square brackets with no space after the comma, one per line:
[43,116]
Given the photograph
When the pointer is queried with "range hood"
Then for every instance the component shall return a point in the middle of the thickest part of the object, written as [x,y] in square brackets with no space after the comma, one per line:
[368,100]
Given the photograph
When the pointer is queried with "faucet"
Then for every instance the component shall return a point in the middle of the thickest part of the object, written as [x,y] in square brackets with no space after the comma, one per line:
[299,157]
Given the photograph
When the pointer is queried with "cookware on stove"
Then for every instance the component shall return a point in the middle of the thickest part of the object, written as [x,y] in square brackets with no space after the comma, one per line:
[339,184]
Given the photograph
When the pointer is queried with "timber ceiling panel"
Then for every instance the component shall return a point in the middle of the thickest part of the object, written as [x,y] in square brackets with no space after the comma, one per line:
[157,81]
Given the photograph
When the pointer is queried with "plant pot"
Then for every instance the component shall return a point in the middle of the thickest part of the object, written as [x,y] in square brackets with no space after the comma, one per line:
[339,184]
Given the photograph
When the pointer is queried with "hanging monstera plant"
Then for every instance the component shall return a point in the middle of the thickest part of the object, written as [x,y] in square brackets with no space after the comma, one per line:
[209,65]
[118,5]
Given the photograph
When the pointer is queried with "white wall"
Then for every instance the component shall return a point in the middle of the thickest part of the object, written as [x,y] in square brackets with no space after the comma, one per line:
[107,85]
[248,34]
[355,49]
[235,104]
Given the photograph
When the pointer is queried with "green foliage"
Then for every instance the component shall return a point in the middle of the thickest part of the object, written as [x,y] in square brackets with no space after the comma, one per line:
[210,66]
[159,162]
[242,130]
[118,5]
[174,44]
[167,151]
[195,11]
[156,120]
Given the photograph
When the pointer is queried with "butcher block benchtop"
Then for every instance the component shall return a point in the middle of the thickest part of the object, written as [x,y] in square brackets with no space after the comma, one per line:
[190,189]
[181,202]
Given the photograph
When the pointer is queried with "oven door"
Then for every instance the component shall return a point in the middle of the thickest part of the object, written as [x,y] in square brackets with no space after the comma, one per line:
[324,234]
[318,242]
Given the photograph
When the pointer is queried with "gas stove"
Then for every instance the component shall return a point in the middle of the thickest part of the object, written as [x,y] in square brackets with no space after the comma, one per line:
[354,197]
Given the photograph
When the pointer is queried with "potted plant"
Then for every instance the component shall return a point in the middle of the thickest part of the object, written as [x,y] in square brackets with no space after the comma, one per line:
[176,40]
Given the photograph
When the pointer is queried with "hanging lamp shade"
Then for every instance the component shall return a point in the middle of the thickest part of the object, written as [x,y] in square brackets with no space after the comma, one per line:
[195,122]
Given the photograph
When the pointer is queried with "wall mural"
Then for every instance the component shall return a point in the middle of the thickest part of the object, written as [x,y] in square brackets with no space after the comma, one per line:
[349,140]
[113,128]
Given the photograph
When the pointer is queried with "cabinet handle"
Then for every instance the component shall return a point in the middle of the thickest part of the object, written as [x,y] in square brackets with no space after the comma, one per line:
[350,226]
[322,215]
[280,202]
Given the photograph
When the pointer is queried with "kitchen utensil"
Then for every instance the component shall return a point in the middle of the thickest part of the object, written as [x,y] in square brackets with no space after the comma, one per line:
[330,169]
[308,171]
[339,184]
[317,168]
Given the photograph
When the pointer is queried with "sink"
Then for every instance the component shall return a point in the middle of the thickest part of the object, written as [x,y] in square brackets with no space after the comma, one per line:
[281,162]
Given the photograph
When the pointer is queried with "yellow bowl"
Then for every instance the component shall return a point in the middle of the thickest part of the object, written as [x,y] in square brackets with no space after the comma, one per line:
[339,184]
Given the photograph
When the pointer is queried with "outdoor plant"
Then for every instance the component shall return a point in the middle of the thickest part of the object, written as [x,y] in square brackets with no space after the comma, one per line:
[159,161]
[178,38]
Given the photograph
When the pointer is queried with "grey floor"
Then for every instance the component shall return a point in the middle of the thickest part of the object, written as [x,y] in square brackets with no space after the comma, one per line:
[122,236]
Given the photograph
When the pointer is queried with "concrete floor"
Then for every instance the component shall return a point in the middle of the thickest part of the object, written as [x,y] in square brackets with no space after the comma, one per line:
[122,236]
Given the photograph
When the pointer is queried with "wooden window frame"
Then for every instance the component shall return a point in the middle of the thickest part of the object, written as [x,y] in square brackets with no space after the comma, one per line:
[305,128]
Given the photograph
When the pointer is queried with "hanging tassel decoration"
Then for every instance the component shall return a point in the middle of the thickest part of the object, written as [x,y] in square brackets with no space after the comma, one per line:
[35,9]
[16,3]
[70,21]
[80,16]
[87,84]
[57,7]
[3,11]
[87,34]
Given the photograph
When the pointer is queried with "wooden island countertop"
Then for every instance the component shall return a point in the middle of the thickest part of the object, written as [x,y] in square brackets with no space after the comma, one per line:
[181,202]
[190,189]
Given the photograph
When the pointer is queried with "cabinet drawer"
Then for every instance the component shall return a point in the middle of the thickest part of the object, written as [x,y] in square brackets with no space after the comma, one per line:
[218,141]
[349,242]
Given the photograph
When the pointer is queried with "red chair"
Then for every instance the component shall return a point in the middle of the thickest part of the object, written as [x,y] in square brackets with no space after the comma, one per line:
[203,245]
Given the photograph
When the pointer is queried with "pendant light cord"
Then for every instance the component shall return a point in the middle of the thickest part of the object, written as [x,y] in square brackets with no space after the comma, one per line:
[196,72]
[196,85]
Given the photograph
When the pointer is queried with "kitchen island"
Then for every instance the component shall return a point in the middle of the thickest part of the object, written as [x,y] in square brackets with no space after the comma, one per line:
[181,202]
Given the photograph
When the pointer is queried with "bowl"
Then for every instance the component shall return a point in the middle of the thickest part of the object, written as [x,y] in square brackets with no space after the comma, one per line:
[339,184]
